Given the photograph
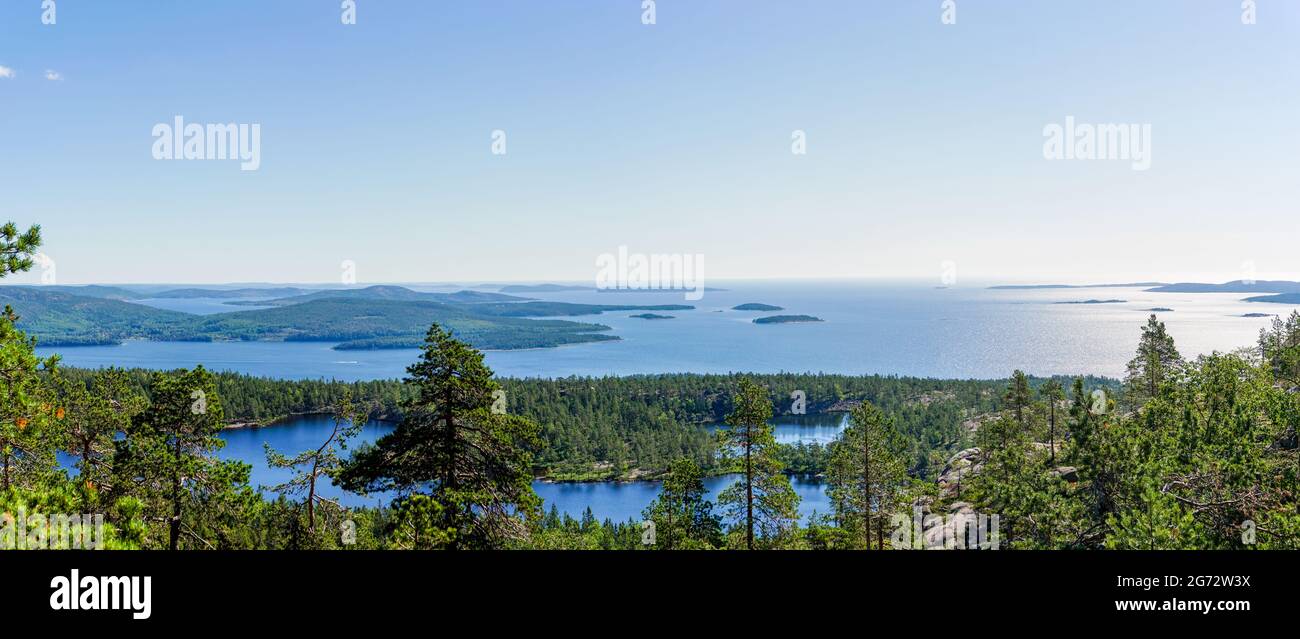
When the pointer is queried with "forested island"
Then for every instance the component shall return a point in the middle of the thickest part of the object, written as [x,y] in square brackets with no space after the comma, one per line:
[787,319]
[756,307]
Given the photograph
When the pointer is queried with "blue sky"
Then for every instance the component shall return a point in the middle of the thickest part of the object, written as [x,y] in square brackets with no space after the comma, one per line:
[924,140]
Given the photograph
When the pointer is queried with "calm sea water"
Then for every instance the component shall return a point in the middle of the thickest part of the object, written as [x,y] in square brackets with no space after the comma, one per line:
[868,328]
[889,329]
[618,501]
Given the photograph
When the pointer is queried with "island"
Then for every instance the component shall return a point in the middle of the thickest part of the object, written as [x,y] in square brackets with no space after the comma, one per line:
[651,316]
[1094,302]
[1031,287]
[1282,298]
[1160,309]
[371,318]
[787,319]
[543,288]
[753,306]
[1259,315]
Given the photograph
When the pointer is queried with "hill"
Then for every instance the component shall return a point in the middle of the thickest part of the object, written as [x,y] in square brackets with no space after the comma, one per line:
[61,319]
[386,292]
[1283,298]
[57,318]
[89,290]
[1236,286]
[229,293]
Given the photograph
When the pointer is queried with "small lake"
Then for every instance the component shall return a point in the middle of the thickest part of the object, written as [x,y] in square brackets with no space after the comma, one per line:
[618,501]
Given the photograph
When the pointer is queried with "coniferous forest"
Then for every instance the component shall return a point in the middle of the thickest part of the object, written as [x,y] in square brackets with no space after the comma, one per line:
[1180,454]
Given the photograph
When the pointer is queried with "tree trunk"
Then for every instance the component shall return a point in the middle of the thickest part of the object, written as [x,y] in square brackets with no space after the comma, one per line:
[866,487]
[449,471]
[311,497]
[669,499]
[175,527]
[1051,434]
[749,489]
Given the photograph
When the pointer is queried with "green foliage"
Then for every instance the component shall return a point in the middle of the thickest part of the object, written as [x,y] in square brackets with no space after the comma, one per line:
[762,505]
[18,248]
[1279,345]
[40,518]
[1157,361]
[26,438]
[475,462]
[89,414]
[683,518]
[1208,460]
[167,460]
[310,465]
[866,475]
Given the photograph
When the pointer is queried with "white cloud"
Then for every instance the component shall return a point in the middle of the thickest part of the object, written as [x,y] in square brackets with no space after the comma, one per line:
[53,75]
[6,72]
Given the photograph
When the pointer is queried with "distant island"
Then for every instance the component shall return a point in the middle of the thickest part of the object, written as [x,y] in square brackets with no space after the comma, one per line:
[1259,315]
[787,319]
[543,288]
[1284,298]
[1160,309]
[651,316]
[753,306]
[1235,286]
[657,290]
[1030,287]
[1094,302]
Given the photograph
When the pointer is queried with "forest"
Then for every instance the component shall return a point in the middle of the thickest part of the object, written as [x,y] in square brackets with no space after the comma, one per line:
[1181,454]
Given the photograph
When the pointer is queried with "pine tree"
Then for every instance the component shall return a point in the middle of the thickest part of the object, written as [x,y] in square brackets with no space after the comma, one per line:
[23,440]
[168,460]
[682,515]
[476,464]
[762,500]
[1018,397]
[1052,393]
[866,472]
[1279,346]
[17,249]
[26,442]
[1156,362]
[323,460]
[90,419]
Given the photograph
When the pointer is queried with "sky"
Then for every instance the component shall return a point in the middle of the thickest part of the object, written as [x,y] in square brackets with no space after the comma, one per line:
[923,141]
